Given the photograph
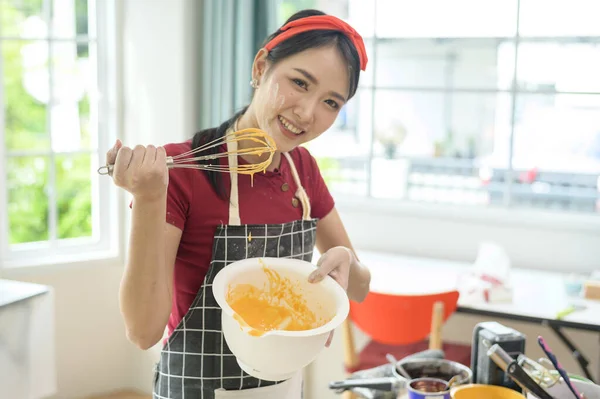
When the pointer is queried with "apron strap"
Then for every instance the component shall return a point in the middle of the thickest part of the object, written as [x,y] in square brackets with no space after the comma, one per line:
[234,206]
[300,192]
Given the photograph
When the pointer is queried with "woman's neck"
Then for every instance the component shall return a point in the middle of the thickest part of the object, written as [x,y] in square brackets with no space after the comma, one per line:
[247,121]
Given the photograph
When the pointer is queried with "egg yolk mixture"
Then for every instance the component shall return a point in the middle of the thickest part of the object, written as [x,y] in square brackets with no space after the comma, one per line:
[277,306]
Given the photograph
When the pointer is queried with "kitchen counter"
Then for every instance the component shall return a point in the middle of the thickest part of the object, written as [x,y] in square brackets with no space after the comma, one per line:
[27,341]
[17,291]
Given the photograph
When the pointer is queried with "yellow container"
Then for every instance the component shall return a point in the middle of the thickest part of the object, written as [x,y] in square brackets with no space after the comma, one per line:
[480,391]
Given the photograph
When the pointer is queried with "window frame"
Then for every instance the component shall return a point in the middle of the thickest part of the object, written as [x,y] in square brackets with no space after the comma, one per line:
[501,214]
[105,244]
[496,216]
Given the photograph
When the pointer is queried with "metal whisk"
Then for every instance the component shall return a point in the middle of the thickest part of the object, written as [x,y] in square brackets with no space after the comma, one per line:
[260,143]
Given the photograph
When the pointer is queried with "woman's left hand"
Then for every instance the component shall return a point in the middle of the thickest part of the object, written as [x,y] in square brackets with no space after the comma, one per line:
[336,263]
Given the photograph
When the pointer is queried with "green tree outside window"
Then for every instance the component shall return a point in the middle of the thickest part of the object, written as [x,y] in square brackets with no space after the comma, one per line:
[26,130]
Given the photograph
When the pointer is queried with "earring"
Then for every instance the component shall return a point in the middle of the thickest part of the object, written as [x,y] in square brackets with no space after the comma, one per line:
[254,83]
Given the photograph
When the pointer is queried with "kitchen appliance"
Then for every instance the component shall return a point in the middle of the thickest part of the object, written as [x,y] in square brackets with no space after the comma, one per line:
[485,370]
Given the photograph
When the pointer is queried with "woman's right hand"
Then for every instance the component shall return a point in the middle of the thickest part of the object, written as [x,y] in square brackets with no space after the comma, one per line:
[142,171]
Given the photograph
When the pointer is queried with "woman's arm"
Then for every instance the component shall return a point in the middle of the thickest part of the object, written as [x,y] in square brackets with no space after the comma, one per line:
[146,290]
[330,234]
[145,295]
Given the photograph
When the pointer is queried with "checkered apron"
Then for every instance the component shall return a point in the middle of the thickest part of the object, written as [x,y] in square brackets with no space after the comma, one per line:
[196,360]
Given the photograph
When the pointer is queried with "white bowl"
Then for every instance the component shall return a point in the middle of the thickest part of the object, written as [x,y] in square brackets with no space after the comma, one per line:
[278,355]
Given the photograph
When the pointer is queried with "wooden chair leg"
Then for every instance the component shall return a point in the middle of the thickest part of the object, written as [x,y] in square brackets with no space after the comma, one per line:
[350,356]
[349,395]
[437,321]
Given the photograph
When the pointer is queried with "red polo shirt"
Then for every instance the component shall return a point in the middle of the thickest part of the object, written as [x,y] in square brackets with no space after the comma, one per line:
[194,207]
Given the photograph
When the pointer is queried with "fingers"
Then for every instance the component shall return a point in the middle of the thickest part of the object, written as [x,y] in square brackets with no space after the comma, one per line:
[111,155]
[125,158]
[329,339]
[149,156]
[322,259]
[137,158]
[336,264]
[161,156]
[161,163]
[121,163]
[316,276]
[142,170]
[324,268]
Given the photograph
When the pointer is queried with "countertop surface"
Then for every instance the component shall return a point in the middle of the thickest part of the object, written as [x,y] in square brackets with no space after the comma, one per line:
[15,291]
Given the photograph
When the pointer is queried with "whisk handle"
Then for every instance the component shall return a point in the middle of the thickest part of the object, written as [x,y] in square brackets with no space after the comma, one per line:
[107,170]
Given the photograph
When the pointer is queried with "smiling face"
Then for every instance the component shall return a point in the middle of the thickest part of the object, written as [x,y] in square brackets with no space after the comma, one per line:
[299,97]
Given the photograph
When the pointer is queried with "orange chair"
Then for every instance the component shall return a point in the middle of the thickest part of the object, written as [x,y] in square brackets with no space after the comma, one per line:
[400,325]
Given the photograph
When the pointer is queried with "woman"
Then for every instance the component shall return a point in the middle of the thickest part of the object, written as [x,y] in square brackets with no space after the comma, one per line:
[303,75]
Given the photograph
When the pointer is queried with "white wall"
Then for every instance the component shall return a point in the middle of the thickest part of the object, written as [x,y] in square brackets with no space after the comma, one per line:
[159,108]
[532,239]
[158,66]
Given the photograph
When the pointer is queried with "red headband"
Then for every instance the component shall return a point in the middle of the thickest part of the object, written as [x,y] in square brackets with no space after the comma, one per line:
[321,22]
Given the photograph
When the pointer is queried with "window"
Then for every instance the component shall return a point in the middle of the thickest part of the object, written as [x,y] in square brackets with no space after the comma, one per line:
[488,104]
[56,122]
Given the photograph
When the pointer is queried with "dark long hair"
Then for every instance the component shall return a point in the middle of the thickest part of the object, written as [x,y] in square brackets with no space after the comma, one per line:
[294,45]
